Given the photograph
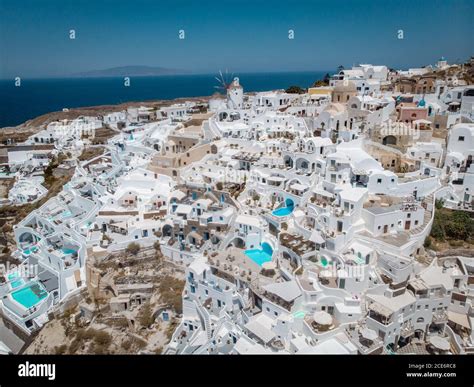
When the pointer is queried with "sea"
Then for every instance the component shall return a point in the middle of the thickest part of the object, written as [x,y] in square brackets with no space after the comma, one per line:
[39,96]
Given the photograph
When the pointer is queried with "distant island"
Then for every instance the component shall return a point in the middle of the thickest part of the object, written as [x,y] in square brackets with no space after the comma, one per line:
[129,71]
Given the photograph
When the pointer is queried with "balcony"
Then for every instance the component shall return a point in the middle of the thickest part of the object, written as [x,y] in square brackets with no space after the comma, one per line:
[407,331]
[440,317]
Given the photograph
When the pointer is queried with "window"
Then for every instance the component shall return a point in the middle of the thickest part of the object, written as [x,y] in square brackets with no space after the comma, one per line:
[461,138]
[379,181]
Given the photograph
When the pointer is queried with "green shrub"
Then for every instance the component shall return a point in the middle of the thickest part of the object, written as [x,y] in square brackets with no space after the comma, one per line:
[133,248]
[145,316]
[428,242]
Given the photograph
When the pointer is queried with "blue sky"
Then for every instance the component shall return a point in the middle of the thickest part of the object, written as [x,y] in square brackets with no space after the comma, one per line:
[242,36]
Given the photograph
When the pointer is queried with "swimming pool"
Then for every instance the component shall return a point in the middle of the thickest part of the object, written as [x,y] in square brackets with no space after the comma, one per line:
[30,295]
[15,280]
[283,211]
[287,209]
[68,251]
[299,314]
[29,250]
[260,256]
[17,283]
[13,276]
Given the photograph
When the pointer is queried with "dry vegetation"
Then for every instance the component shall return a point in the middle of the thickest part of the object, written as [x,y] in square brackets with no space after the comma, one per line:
[89,153]
[131,331]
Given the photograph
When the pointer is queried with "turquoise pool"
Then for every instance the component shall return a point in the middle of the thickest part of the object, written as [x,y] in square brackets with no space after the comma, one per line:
[68,251]
[15,280]
[30,295]
[260,256]
[286,210]
[17,283]
[29,250]
[299,314]
[283,211]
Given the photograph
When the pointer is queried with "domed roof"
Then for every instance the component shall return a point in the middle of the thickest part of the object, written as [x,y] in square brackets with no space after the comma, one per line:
[335,108]
[421,103]
[345,87]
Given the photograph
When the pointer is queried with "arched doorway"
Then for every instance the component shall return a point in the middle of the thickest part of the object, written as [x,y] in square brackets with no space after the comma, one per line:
[389,140]
[167,230]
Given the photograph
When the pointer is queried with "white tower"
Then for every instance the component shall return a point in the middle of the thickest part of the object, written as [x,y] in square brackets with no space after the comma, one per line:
[442,63]
[235,95]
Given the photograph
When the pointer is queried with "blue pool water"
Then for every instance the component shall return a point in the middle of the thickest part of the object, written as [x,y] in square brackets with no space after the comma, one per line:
[15,280]
[29,250]
[299,314]
[68,251]
[30,295]
[17,283]
[286,210]
[283,211]
[260,256]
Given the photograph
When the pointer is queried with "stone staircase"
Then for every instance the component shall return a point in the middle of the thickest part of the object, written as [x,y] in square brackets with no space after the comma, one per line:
[426,217]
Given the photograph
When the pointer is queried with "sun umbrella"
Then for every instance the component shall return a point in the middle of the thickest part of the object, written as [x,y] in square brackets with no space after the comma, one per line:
[322,318]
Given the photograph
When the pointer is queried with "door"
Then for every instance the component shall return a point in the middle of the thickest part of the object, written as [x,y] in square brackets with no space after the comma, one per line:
[339,226]
[385,229]
[407,224]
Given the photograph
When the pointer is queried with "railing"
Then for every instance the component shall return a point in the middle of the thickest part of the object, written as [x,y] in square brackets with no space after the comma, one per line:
[456,344]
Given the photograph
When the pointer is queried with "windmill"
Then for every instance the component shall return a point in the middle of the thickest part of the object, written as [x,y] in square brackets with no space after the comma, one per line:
[224,81]
[231,87]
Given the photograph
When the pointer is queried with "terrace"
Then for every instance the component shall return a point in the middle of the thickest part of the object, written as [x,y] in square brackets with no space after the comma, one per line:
[321,322]
[297,243]
[366,340]
[236,264]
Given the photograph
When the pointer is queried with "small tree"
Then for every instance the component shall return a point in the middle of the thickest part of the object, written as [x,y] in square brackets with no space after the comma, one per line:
[439,204]
[428,242]
[133,248]
[146,315]
[295,90]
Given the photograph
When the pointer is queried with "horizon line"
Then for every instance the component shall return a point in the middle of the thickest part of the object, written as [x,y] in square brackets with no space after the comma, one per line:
[235,73]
